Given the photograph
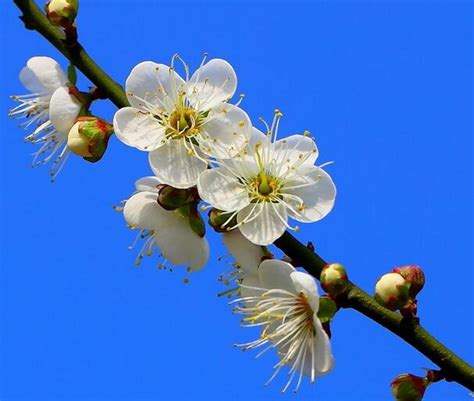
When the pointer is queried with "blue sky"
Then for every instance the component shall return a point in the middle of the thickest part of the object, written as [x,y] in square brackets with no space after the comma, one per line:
[385,87]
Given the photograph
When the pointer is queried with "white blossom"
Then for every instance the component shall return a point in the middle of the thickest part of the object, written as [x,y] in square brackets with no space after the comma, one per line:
[269,181]
[166,230]
[182,122]
[286,308]
[49,108]
[248,257]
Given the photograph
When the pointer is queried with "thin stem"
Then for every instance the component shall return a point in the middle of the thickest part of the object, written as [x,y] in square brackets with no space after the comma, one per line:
[453,367]
[36,20]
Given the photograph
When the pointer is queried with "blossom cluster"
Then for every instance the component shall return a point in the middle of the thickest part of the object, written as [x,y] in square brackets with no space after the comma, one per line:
[203,148]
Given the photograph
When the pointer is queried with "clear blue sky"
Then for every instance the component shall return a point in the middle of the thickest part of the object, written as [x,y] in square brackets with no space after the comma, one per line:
[386,88]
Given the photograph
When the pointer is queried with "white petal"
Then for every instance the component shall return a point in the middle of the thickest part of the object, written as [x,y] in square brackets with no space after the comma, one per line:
[143,211]
[267,226]
[324,358]
[250,286]
[306,284]
[173,165]
[276,274]
[225,131]
[257,142]
[42,75]
[296,151]
[247,255]
[179,244]
[222,190]
[138,129]
[318,198]
[153,86]
[148,184]
[63,110]
[213,83]
[173,235]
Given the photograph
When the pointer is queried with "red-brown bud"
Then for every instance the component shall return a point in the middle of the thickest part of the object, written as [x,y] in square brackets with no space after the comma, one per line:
[408,387]
[412,275]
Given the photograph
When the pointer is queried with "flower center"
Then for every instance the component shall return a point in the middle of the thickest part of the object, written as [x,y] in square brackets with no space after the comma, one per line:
[264,186]
[183,122]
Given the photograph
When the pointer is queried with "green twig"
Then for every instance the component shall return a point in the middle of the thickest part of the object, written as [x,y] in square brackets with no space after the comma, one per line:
[36,20]
[410,330]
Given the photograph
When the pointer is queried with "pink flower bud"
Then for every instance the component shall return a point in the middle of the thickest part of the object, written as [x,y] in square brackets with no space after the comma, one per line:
[412,275]
[334,278]
[61,12]
[408,387]
[391,291]
[89,137]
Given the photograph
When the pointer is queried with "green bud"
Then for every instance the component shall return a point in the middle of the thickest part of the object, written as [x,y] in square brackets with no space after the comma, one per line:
[408,387]
[89,137]
[391,291]
[413,275]
[334,278]
[327,309]
[171,198]
[217,218]
[61,12]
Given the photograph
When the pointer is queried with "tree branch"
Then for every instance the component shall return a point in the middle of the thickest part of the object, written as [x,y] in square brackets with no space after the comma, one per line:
[453,367]
[409,330]
[36,20]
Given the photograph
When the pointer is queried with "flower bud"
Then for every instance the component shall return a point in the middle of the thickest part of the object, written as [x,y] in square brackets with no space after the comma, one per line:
[391,291]
[327,309]
[89,137]
[171,198]
[334,278]
[217,218]
[61,12]
[407,387]
[412,275]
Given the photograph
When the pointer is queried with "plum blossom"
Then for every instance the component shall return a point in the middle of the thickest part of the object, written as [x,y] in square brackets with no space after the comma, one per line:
[182,122]
[247,257]
[166,230]
[285,306]
[269,181]
[50,108]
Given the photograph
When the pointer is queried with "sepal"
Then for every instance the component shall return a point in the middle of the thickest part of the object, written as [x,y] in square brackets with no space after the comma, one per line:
[327,309]
[217,219]
[171,198]
[196,222]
